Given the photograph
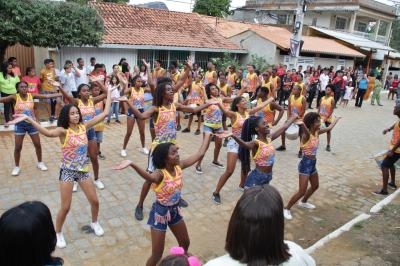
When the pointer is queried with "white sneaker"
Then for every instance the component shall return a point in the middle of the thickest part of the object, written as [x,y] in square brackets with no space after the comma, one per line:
[123,153]
[145,151]
[287,214]
[16,171]
[99,184]
[306,205]
[42,166]
[75,187]
[60,240]
[98,231]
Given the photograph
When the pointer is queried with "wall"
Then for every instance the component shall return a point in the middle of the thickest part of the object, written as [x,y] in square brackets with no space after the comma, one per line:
[40,55]
[324,62]
[23,54]
[255,45]
[107,56]
[323,19]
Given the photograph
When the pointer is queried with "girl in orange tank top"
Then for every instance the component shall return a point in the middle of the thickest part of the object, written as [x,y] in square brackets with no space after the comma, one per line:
[238,115]
[167,183]
[307,167]
[269,111]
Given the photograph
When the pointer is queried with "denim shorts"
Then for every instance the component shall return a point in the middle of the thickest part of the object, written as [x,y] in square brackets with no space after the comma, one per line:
[91,134]
[389,162]
[24,127]
[232,146]
[307,166]
[67,175]
[131,114]
[99,136]
[163,216]
[257,178]
[212,130]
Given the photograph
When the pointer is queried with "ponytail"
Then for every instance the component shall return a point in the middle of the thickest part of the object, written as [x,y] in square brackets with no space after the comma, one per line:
[248,131]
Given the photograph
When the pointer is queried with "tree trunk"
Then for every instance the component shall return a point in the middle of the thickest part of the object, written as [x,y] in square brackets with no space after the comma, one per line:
[3,47]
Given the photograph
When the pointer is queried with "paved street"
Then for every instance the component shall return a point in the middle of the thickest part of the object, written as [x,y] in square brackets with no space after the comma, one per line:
[347,176]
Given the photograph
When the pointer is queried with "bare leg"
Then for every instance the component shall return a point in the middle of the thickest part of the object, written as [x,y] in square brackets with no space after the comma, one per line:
[392,174]
[93,153]
[208,145]
[19,139]
[190,121]
[314,181]
[130,122]
[157,247]
[90,193]
[66,197]
[38,148]
[328,138]
[217,149]
[230,168]
[141,126]
[385,178]
[198,122]
[283,138]
[181,234]
[303,182]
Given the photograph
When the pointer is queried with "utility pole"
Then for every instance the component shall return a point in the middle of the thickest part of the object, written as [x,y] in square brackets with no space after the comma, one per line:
[296,40]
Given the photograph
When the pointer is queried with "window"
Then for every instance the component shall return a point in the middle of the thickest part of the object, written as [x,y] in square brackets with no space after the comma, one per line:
[202,58]
[383,26]
[362,26]
[340,23]
[282,19]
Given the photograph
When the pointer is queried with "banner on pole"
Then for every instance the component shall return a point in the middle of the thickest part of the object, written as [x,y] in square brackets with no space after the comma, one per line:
[294,47]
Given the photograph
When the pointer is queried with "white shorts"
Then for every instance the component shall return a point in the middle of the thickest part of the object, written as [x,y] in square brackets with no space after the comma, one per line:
[232,146]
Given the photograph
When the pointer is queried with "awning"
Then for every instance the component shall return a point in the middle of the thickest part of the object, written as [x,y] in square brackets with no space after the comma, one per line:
[355,40]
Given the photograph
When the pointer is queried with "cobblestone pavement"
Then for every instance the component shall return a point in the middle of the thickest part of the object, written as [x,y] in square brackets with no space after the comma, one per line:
[347,176]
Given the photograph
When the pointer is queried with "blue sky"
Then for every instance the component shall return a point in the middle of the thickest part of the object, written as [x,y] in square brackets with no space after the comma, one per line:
[184,5]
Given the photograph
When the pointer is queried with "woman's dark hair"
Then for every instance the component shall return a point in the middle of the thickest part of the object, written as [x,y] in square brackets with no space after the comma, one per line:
[145,69]
[256,229]
[81,86]
[4,70]
[97,66]
[248,131]
[133,80]
[265,90]
[125,67]
[310,118]
[208,89]
[114,66]
[121,61]
[63,117]
[112,77]
[160,91]
[160,154]
[175,260]
[235,102]
[27,236]
[28,69]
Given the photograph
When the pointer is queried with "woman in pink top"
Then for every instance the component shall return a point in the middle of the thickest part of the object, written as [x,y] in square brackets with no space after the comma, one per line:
[34,83]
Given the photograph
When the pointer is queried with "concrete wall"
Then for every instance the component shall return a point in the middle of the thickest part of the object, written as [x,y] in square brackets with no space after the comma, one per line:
[315,61]
[255,45]
[323,19]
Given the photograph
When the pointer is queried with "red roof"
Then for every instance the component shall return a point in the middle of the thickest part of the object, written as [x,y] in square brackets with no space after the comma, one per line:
[130,25]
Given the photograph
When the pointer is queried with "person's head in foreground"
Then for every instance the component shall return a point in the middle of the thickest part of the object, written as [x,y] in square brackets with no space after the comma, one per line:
[178,257]
[27,236]
[255,234]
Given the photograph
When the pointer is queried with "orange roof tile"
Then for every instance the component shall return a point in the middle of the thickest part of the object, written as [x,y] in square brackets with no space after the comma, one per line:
[281,37]
[130,25]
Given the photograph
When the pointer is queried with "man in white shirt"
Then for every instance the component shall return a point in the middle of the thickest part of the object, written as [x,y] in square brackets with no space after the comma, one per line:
[92,64]
[67,79]
[83,73]
[323,82]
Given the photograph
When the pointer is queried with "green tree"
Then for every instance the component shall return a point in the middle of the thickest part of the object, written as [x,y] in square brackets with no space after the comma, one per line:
[259,62]
[395,41]
[215,8]
[226,60]
[48,24]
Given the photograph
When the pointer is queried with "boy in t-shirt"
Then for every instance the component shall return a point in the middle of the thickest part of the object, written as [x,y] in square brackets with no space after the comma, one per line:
[48,78]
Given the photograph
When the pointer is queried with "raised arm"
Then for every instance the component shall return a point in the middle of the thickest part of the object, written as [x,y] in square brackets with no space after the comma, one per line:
[155,177]
[277,133]
[150,79]
[331,126]
[281,111]
[69,97]
[248,145]
[261,106]
[185,74]
[51,133]
[145,115]
[198,155]
[228,113]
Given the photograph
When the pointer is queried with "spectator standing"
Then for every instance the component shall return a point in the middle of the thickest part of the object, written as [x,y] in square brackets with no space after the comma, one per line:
[33,82]
[67,80]
[92,64]
[48,79]
[362,88]
[15,68]
[83,71]
[8,82]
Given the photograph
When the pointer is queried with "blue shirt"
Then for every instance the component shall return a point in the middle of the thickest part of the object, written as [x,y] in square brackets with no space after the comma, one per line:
[363,84]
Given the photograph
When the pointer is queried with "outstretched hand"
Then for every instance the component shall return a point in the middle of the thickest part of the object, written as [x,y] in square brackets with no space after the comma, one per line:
[17,118]
[122,165]
[189,62]
[146,64]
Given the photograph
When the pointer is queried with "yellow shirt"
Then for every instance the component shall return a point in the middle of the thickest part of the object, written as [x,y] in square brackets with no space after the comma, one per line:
[48,76]
[252,78]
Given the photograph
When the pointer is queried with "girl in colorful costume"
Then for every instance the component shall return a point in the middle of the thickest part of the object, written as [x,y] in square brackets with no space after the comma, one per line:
[167,184]
[24,104]
[325,111]
[307,166]
[72,131]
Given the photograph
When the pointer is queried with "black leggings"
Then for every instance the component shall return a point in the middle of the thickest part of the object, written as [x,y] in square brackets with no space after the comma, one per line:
[360,97]
[8,108]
